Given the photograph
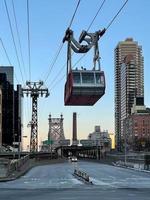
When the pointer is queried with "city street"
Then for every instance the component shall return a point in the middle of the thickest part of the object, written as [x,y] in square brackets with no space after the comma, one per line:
[56,182]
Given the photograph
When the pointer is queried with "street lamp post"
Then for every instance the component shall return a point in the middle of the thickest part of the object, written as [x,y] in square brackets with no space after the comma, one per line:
[19,148]
[97,157]
[14,140]
[125,149]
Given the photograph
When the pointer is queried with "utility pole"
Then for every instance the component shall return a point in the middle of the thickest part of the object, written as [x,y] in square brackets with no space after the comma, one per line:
[125,149]
[34,90]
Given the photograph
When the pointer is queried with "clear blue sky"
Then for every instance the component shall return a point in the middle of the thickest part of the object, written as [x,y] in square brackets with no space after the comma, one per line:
[48,22]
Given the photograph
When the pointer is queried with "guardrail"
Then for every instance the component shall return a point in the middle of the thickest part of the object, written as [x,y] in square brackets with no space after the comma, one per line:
[17,164]
[83,176]
[8,168]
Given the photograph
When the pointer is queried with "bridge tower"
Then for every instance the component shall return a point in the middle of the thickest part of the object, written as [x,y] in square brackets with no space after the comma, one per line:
[34,90]
[56,131]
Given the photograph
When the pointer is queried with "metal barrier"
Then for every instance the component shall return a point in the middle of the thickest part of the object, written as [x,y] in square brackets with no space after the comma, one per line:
[83,176]
[17,164]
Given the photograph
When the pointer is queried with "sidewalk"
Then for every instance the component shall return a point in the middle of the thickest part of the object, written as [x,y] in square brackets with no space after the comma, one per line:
[122,165]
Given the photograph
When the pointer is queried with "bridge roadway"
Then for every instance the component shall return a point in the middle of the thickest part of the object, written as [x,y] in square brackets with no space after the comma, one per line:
[44,155]
[91,151]
[56,182]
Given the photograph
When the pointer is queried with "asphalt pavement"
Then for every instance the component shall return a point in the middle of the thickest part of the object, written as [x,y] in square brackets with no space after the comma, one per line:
[56,181]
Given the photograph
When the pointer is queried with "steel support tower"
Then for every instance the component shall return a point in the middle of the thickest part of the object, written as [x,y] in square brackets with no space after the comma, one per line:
[34,90]
[56,131]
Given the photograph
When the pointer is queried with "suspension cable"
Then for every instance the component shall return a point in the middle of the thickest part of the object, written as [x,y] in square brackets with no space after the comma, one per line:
[12,34]
[58,81]
[74,13]
[116,15]
[5,52]
[57,75]
[29,47]
[110,23]
[61,46]
[54,61]
[96,15]
[18,35]
[99,9]
[8,57]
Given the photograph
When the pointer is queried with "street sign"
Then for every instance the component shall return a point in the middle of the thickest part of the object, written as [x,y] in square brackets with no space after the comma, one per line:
[48,142]
[75,142]
[87,142]
[64,142]
[15,143]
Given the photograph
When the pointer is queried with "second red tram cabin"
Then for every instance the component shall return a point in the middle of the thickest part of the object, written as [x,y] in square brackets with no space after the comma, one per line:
[84,87]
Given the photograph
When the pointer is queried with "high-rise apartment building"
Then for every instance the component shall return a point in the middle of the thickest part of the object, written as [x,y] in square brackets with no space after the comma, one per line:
[129,82]
[17,114]
[11,111]
[6,82]
[0,116]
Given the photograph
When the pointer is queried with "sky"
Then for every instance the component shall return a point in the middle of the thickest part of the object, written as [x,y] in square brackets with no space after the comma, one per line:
[48,22]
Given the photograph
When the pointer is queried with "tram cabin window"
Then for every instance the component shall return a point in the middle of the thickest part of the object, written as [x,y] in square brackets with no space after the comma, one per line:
[88,78]
[76,78]
[98,78]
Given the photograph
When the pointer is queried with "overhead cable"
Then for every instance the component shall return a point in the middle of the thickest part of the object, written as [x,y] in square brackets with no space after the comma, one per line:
[116,15]
[12,34]
[61,69]
[5,52]
[96,15]
[18,35]
[8,57]
[29,47]
[99,9]
[61,46]
[58,81]
[54,61]
[106,27]
[74,13]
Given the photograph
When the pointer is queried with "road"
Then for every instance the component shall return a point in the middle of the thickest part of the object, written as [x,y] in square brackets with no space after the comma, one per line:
[55,181]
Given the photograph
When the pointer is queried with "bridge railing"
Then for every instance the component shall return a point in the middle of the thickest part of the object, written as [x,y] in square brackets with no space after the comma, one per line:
[17,164]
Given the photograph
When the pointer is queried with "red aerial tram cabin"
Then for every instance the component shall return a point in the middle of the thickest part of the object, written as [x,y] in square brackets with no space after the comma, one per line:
[84,87]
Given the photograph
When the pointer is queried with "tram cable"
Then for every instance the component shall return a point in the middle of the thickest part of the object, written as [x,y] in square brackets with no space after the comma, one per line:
[18,35]
[110,23]
[99,9]
[13,38]
[8,59]
[74,13]
[5,52]
[61,45]
[54,61]
[29,46]
[21,54]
